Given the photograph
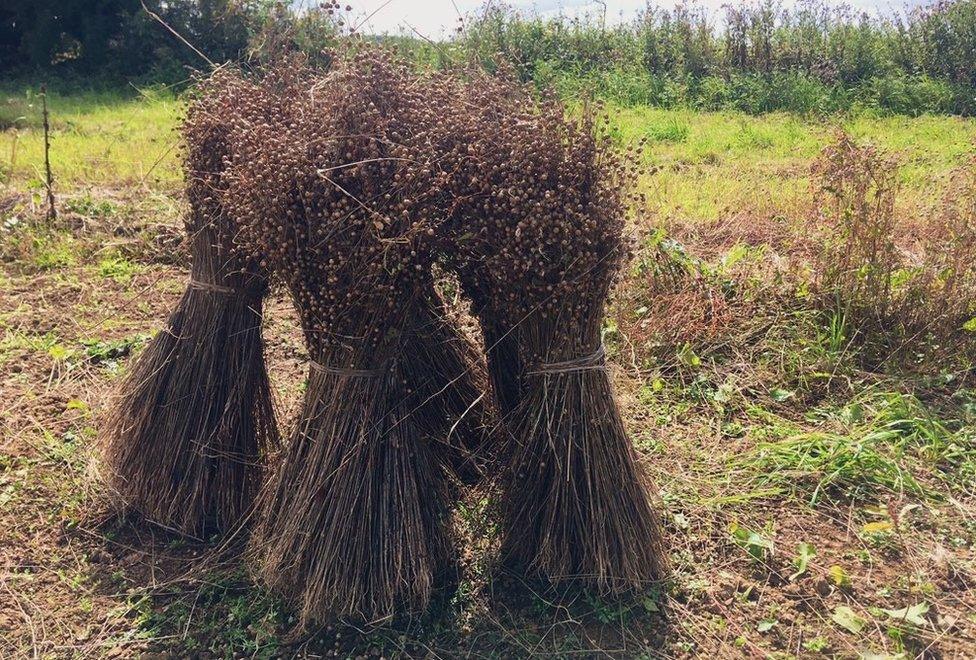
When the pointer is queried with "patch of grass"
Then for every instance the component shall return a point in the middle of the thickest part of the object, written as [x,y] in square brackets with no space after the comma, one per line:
[13,115]
[757,137]
[89,206]
[763,163]
[54,250]
[225,614]
[107,353]
[880,442]
[101,138]
[18,111]
[117,267]
[828,463]
[67,448]
[672,129]
[14,341]
[34,247]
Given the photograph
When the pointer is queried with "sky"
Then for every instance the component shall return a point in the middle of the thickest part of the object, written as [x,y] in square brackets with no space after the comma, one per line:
[438,18]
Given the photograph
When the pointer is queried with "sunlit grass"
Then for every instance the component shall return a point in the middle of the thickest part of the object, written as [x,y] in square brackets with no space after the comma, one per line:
[707,163]
[110,139]
[701,165]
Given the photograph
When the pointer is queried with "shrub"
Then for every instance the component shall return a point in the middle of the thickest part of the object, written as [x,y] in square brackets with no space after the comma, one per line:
[811,58]
[910,95]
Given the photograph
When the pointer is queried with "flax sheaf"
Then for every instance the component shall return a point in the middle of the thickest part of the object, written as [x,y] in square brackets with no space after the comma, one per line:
[537,242]
[330,181]
[187,440]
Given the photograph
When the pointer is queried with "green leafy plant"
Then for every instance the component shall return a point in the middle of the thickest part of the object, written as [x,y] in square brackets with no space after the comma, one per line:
[758,546]
[805,552]
[118,268]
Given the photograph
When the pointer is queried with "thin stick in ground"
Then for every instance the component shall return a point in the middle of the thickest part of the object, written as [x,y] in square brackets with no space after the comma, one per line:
[52,212]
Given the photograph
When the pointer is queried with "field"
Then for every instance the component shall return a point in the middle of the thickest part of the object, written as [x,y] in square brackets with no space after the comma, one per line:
[816,472]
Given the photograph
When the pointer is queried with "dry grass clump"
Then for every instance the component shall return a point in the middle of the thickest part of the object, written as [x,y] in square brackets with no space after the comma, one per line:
[854,207]
[709,291]
[904,302]
[942,303]
[806,305]
[669,301]
[711,240]
[538,235]
[188,437]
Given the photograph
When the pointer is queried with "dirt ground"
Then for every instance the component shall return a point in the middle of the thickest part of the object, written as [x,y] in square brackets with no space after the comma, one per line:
[77,579]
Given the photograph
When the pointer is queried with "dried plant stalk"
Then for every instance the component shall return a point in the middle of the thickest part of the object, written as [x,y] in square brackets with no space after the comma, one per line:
[448,378]
[188,438]
[354,522]
[576,506]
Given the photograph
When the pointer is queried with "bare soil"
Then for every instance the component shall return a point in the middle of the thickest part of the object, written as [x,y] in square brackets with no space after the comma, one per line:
[78,579]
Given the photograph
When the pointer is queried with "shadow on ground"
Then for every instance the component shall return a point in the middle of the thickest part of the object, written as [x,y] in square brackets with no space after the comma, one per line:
[193,597]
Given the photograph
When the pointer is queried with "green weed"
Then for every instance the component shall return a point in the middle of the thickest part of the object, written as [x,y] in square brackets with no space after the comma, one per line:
[107,353]
[89,206]
[672,129]
[227,613]
[887,442]
[53,251]
[119,268]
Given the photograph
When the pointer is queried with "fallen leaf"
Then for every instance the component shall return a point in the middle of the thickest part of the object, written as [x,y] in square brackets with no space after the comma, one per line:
[914,614]
[877,527]
[845,618]
[838,575]
[680,521]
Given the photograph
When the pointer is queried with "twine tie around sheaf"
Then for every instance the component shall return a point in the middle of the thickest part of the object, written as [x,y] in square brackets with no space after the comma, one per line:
[346,371]
[215,288]
[593,362]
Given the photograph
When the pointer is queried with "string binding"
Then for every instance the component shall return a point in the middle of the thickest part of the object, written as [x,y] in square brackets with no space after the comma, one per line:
[215,288]
[346,371]
[595,361]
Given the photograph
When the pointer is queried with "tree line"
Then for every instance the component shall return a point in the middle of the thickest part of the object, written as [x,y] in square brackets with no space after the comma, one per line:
[757,56]
[122,37]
